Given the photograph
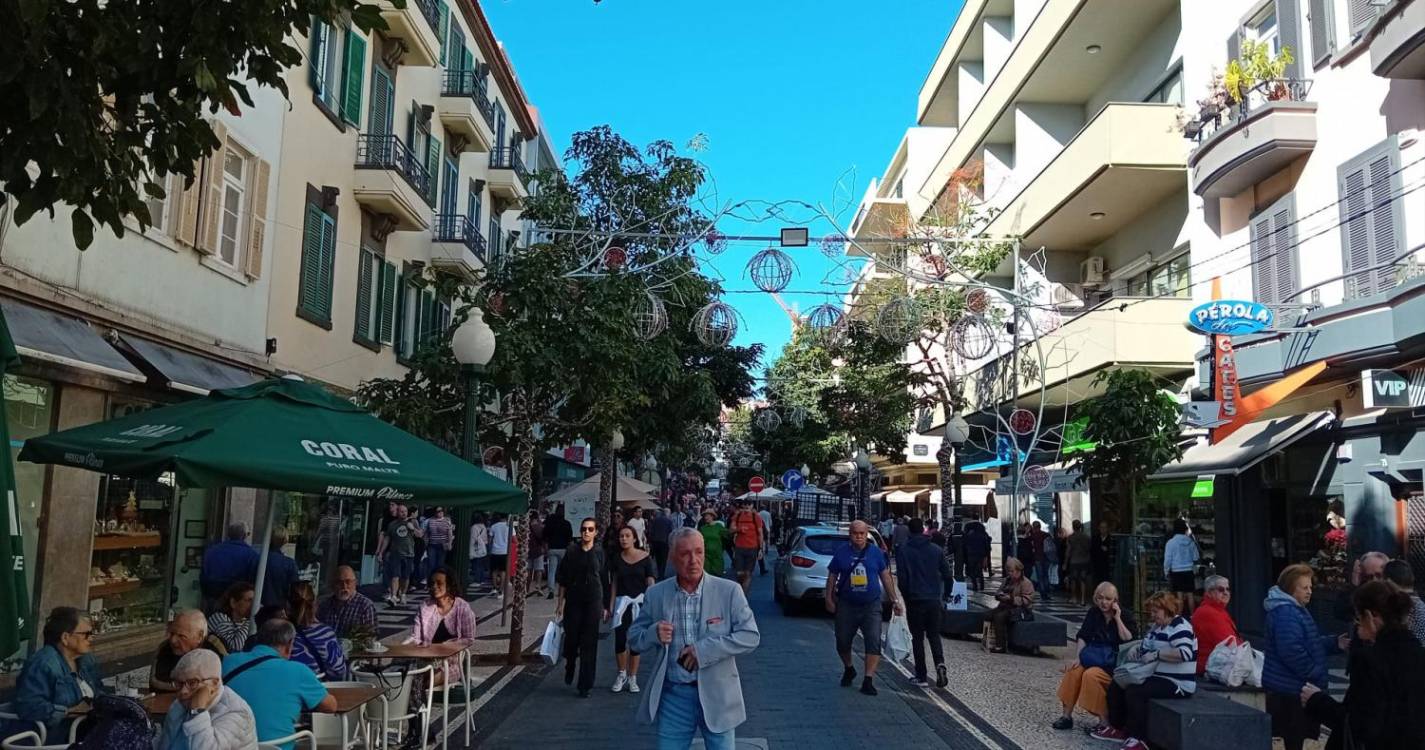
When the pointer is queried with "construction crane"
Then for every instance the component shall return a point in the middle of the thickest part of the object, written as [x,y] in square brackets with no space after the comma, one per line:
[791,312]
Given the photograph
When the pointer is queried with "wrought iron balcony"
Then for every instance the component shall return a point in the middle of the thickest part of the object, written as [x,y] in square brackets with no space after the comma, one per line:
[458,228]
[508,157]
[388,152]
[1240,143]
[430,11]
[470,83]
[1216,116]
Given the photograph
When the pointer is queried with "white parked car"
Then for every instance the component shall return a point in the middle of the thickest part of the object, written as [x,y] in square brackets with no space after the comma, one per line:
[800,576]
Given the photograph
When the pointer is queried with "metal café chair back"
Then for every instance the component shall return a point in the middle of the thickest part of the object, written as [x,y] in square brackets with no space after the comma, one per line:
[7,714]
[294,738]
[395,704]
[328,728]
[29,740]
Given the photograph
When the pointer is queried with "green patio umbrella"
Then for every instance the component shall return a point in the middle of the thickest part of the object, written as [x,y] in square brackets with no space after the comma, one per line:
[278,434]
[14,601]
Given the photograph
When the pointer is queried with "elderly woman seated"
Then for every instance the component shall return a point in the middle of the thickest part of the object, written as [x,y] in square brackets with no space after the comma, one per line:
[1015,600]
[207,714]
[60,676]
[1086,676]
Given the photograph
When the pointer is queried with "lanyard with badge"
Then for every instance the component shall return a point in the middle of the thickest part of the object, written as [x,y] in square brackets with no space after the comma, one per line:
[859,582]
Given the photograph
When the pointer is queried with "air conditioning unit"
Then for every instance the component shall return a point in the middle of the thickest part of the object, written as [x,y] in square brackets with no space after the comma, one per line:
[1093,270]
[1066,296]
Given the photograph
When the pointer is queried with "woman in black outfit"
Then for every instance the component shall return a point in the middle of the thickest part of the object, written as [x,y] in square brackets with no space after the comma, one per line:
[631,572]
[581,586]
[1385,702]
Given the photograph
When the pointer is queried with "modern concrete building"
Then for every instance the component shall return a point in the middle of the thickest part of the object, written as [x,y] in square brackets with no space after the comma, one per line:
[1306,197]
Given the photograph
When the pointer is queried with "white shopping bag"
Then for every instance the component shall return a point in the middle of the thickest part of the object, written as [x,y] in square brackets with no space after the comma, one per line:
[553,645]
[959,597]
[897,645]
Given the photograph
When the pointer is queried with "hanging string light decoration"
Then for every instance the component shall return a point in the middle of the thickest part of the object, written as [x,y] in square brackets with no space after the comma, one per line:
[833,245]
[715,241]
[825,322]
[715,324]
[977,301]
[650,317]
[972,338]
[900,321]
[769,420]
[797,417]
[771,270]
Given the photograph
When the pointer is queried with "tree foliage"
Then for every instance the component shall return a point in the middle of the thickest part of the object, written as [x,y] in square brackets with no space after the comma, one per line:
[103,100]
[1135,424]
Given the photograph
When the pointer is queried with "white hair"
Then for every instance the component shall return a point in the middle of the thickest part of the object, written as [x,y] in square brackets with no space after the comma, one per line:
[198,664]
[1212,582]
[681,533]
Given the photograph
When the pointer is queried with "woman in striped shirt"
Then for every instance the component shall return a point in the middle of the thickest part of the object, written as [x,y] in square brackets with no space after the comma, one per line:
[1172,645]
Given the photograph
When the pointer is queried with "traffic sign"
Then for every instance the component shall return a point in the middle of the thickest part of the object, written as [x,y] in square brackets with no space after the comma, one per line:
[756,484]
[792,480]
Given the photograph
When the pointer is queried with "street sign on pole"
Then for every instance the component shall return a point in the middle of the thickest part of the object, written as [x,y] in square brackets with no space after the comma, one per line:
[756,484]
[792,480]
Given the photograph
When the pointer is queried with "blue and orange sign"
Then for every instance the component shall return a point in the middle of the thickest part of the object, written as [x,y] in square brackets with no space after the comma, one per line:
[1231,317]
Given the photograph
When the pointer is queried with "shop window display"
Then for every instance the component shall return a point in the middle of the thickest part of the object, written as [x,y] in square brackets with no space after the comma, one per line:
[1140,554]
[128,573]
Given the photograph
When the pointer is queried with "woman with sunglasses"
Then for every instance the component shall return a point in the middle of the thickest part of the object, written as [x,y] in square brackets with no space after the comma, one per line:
[581,586]
[60,676]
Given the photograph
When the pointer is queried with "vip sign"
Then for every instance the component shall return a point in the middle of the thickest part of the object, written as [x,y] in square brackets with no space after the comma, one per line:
[1393,389]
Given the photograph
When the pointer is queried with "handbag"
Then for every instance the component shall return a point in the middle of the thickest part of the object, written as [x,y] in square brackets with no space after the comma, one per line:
[1101,655]
[1134,672]
[1021,614]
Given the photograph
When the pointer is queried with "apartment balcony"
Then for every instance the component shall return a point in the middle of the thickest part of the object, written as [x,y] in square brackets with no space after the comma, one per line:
[457,245]
[1398,47]
[1149,334]
[1249,141]
[879,218]
[508,177]
[415,27]
[466,111]
[392,181]
[1126,160]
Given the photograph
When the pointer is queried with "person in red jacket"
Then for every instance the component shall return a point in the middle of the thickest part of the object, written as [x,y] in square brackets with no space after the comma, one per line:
[1210,621]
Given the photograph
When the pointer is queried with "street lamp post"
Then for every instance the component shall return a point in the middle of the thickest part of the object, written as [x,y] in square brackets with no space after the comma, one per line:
[957,432]
[863,477]
[473,344]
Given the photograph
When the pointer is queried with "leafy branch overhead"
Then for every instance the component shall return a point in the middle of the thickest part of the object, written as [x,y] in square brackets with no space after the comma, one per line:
[1134,423]
[101,126]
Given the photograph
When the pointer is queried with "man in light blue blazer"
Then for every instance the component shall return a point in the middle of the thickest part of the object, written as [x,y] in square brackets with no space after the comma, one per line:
[693,626]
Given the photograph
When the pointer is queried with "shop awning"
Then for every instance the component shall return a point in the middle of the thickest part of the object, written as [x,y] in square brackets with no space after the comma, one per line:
[901,496]
[1244,448]
[51,337]
[188,372]
[627,490]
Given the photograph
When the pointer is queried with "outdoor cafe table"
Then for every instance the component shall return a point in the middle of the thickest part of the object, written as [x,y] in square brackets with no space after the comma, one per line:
[349,698]
[436,652]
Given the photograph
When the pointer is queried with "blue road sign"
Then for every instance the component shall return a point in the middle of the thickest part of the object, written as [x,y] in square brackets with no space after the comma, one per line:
[792,480]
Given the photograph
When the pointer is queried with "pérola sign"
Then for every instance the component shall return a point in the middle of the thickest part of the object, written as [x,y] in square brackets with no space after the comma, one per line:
[1231,317]
[1393,389]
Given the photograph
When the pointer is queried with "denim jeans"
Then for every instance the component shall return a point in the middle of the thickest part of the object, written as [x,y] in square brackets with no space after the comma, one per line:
[680,718]
[479,569]
[552,558]
[435,557]
[1041,579]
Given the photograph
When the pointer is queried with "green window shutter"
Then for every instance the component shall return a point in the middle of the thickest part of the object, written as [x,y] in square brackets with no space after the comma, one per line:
[383,102]
[355,77]
[433,166]
[427,316]
[316,61]
[443,12]
[366,269]
[398,336]
[389,278]
[328,261]
[309,296]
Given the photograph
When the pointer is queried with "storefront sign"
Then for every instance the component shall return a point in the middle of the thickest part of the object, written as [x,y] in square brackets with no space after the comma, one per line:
[1225,376]
[1231,317]
[1393,389]
[1060,480]
[574,454]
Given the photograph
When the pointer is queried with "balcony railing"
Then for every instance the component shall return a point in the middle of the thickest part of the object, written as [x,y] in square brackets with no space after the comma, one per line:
[388,152]
[1214,116]
[470,83]
[458,228]
[431,13]
[508,157]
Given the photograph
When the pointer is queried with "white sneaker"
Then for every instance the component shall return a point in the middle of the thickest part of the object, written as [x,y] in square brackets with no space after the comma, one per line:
[619,682]
[633,683]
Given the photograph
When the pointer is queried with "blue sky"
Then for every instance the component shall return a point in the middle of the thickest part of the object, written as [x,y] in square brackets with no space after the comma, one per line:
[791,94]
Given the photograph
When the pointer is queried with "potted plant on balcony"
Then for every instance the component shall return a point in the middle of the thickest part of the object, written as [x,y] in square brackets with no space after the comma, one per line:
[1209,108]
[1256,65]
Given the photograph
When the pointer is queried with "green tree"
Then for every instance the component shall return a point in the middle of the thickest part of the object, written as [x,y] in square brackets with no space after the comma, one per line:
[1135,424]
[103,100]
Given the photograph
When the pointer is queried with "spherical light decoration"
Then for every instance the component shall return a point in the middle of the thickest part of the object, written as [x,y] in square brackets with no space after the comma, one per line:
[1022,421]
[715,241]
[833,245]
[825,322]
[715,324]
[1036,478]
[900,321]
[797,417]
[977,301]
[769,420]
[615,257]
[650,317]
[972,338]
[771,270]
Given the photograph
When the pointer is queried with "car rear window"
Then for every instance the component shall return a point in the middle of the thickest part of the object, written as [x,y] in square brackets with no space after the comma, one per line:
[826,544]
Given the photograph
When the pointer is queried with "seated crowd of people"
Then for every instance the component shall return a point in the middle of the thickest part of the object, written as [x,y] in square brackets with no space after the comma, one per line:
[239,677]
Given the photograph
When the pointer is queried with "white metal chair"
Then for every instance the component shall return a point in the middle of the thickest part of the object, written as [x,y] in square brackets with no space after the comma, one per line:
[7,713]
[30,740]
[280,741]
[341,730]
[387,721]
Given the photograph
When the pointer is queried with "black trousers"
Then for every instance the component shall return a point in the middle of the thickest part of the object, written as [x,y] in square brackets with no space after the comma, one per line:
[660,557]
[1128,707]
[581,639]
[923,617]
[975,569]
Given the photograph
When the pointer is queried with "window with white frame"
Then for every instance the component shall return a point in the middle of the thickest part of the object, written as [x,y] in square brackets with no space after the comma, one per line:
[237,165]
[1262,27]
[158,207]
[1171,278]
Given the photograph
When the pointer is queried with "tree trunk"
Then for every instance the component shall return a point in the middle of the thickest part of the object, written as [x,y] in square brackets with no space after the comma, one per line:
[608,474]
[524,477]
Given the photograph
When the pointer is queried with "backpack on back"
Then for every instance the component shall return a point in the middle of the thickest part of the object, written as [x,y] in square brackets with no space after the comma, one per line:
[117,723]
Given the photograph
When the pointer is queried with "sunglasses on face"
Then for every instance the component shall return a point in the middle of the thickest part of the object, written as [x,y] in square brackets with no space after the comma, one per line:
[85,634]
[589,529]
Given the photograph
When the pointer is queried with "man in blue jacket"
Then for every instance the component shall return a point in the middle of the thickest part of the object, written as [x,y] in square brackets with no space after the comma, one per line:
[228,562]
[921,573]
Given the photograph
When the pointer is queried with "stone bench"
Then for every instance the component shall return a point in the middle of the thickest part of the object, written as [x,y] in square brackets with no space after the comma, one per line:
[1206,721]
[1251,697]
[1043,630]
[962,623]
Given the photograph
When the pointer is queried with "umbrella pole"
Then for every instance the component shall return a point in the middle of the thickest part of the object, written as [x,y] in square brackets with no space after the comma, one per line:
[266,550]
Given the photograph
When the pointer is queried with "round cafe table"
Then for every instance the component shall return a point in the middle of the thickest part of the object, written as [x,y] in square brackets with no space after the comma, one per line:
[436,652]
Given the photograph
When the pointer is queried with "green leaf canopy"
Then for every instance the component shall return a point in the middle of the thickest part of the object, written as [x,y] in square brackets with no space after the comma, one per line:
[280,434]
